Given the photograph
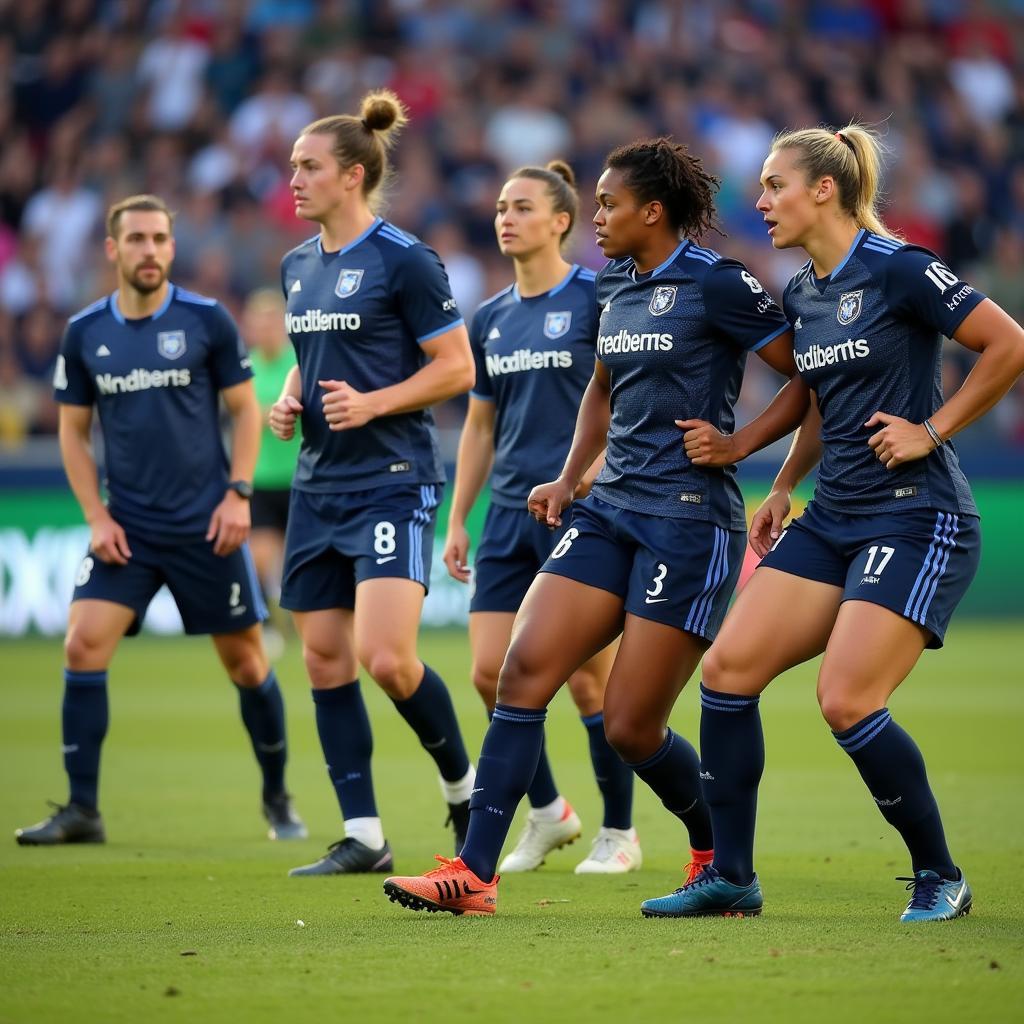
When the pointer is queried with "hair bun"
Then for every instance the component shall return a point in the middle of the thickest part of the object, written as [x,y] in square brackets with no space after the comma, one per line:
[382,110]
[563,170]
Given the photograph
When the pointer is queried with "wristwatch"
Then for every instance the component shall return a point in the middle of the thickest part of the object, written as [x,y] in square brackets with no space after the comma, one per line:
[242,488]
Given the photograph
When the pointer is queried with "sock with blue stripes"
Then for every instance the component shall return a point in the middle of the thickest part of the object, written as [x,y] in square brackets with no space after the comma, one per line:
[543,790]
[347,742]
[262,710]
[673,772]
[893,769]
[732,761]
[85,716]
[430,713]
[508,761]
[614,777]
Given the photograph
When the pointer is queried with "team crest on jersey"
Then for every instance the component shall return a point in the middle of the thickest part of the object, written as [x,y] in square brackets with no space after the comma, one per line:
[171,344]
[348,283]
[663,299]
[849,307]
[557,324]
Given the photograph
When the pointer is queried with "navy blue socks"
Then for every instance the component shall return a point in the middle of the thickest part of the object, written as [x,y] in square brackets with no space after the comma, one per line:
[893,769]
[543,790]
[431,716]
[508,762]
[84,719]
[262,710]
[673,772]
[732,761]
[614,777]
[347,742]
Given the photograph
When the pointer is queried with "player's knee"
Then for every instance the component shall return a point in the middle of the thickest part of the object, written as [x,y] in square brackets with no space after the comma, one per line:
[485,680]
[632,739]
[84,650]
[841,707]
[324,668]
[397,675]
[515,679]
[717,668]
[249,670]
[587,689]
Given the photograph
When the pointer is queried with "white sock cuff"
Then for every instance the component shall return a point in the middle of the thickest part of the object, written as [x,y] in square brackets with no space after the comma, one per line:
[553,811]
[461,790]
[368,831]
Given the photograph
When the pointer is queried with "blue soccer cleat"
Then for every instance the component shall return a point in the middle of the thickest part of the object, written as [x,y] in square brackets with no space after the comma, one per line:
[936,898]
[708,895]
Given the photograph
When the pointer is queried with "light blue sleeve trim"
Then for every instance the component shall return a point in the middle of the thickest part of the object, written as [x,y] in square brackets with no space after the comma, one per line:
[441,330]
[771,337]
[481,398]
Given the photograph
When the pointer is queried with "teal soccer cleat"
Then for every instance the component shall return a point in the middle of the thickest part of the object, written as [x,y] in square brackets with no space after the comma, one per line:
[708,895]
[936,898]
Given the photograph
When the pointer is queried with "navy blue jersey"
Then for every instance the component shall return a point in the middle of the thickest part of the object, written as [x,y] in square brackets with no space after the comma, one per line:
[868,338]
[534,359]
[155,382]
[360,315]
[674,341]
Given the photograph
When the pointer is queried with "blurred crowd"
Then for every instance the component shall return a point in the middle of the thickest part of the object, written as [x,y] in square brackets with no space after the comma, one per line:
[200,100]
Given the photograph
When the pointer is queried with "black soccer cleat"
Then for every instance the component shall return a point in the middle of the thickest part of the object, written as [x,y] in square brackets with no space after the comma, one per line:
[458,818]
[349,856]
[68,824]
[284,822]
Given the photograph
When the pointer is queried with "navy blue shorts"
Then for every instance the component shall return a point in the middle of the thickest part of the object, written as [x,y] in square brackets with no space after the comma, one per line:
[512,549]
[681,572]
[214,593]
[335,541]
[918,563]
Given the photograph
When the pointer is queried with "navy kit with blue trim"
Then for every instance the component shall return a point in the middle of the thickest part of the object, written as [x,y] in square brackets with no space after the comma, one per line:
[676,571]
[916,562]
[361,315]
[335,541]
[868,338]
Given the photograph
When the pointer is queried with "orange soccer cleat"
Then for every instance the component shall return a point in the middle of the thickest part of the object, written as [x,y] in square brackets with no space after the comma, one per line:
[452,887]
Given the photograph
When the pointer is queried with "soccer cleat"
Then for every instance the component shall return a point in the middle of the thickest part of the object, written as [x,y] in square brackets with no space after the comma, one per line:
[614,851]
[348,856]
[709,895]
[458,818]
[539,838]
[936,898]
[283,820]
[451,887]
[68,824]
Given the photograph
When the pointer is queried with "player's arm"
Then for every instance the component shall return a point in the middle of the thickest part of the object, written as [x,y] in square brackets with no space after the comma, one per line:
[231,520]
[547,501]
[107,541]
[288,407]
[472,467]
[804,454]
[999,339]
[706,446]
[450,371]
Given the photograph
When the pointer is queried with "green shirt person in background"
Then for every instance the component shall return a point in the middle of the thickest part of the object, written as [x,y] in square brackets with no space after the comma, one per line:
[272,357]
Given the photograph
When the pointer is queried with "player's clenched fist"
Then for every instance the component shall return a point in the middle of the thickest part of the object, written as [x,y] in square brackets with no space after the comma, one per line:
[344,407]
[547,501]
[705,445]
[282,417]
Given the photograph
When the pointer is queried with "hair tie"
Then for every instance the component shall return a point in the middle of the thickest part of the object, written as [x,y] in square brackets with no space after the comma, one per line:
[843,139]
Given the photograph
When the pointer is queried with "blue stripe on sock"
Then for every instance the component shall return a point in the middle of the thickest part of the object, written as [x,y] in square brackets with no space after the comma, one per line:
[589,720]
[512,714]
[865,733]
[715,701]
[72,678]
[659,755]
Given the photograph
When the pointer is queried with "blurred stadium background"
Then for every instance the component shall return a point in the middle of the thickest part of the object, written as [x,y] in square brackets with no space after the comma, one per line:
[200,101]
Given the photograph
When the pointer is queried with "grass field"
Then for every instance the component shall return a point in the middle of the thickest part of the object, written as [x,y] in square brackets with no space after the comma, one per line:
[187,913]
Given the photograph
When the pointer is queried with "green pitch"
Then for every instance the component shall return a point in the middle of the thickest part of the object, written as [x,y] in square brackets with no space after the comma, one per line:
[187,914]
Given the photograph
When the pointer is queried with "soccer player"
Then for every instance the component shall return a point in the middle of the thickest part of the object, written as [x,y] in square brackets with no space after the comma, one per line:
[654,551]
[871,572]
[534,349]
[153,360]
[272,358]
[379,340]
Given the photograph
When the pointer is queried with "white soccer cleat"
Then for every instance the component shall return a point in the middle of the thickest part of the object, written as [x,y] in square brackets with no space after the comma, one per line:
[539,838]
[614,851]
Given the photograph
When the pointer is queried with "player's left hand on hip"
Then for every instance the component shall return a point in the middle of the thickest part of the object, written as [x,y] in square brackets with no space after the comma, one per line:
[705,445]
[344,407]
[899,440]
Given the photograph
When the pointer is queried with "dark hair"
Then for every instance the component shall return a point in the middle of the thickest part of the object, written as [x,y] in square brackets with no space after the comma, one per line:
[852,157]
[139,202]
[663,170]
[561,188]
[367,138]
